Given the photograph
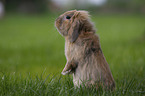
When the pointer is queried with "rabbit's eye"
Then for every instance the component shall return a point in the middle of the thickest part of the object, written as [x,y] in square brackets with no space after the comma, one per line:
[68,17]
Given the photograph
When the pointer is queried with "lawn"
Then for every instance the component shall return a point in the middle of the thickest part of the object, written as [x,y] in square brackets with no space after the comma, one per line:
[32,55]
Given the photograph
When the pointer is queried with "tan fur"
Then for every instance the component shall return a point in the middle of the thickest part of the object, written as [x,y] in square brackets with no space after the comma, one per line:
[85,59]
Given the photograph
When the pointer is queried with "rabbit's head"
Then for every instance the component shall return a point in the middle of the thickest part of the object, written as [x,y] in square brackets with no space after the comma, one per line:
[72,23]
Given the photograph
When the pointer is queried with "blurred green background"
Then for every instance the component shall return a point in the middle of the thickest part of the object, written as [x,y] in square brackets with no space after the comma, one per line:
[30,43]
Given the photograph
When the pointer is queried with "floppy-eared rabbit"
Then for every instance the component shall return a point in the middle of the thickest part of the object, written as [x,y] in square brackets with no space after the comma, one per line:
[85,59]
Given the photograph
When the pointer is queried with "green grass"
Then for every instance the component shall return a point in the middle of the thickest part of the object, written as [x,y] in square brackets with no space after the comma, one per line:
[32,55]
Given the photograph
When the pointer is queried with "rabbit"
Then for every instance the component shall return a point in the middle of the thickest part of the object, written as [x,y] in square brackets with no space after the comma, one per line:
[85,59]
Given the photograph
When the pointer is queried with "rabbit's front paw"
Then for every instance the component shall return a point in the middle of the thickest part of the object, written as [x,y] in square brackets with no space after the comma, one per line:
[65,72]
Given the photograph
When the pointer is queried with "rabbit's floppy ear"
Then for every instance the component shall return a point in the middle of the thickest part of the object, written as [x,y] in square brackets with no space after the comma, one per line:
[73,32]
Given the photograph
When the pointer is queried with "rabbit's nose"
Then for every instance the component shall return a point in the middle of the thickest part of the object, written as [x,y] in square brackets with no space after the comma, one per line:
[60,21]
[57,19]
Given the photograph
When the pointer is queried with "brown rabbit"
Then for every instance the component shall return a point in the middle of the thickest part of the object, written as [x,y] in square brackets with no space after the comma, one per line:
[85,59]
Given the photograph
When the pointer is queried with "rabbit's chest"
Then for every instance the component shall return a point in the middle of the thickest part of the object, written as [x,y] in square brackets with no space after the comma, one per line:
[73,51]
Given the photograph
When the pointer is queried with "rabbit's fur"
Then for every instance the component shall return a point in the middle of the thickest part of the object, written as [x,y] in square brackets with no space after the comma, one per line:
[85,59]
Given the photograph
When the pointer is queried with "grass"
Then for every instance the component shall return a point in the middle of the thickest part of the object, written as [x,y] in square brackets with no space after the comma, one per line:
[32,55]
